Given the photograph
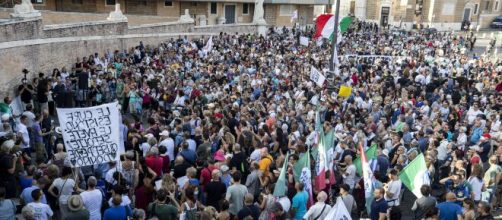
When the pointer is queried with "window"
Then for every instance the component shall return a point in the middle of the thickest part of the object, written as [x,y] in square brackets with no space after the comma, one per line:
[245,8]
[77,2]
[487,5]
[286,10]
[37,2]
[110,2]
[168,3]
[476,6]
[214,8]
[496,6]
[193,4]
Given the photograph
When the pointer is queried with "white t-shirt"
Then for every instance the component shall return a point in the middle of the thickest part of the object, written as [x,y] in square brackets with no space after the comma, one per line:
[65,188]
[349,177]
[255,155]
[169,144]
[285,203]
[477,187]
[41,211]
[92,202]
[395,189]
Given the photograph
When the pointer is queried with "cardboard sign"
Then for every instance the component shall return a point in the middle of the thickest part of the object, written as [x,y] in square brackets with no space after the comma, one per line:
[91,135]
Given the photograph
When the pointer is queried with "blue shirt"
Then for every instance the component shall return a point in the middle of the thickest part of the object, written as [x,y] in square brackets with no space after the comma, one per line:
[300,204]
[117,213]
[461,191]
[26,195]
[449,210]
[377,207]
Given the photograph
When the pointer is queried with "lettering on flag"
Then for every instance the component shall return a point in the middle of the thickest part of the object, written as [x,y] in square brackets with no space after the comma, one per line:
[317,76]
[91,135]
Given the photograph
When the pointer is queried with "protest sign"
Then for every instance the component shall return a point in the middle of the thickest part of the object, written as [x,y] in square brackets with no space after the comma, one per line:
[91,135]
[317,76]
[304,41]
[345,91]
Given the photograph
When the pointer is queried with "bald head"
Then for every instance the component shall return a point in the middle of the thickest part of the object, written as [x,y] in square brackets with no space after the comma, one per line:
[179,160]
[322,196]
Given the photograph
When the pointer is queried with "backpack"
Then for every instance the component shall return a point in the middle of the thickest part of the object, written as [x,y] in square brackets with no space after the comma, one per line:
[189,213]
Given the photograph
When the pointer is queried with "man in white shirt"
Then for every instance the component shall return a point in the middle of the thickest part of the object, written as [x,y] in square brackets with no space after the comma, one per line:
[40,211]
[167,142]
[92,199]
[472,113]
[349,176]
[393,189]
[320,209]
[22,131]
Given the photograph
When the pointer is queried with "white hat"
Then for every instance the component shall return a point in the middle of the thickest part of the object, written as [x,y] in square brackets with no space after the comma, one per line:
[224,168]
[59,130]
[164,133]
[148,136]
[5,117]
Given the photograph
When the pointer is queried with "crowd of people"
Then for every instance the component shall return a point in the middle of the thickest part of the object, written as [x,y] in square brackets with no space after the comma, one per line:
[207,130]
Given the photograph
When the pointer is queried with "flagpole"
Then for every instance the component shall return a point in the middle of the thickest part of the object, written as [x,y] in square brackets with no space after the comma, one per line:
[335,37]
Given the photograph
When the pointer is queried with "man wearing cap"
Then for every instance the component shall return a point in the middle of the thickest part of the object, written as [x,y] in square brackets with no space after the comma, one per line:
[76,209]
[167,142]
[484,148]
[449,210]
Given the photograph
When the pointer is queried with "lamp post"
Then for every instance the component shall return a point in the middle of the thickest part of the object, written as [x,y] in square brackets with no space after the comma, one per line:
[335,37]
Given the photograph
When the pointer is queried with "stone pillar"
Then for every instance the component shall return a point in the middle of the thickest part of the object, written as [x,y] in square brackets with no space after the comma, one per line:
[25,10]
[360,9]
[117,15]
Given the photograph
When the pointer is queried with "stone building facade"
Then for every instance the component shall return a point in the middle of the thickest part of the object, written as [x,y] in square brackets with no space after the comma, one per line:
[440,14]
[209,12]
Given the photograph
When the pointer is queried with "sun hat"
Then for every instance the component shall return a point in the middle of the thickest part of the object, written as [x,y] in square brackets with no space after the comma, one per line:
[75,203]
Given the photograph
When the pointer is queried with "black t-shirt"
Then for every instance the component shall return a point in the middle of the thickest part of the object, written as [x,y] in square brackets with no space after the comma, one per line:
[249,210]
[215,193]
[26,95]
[41,90]
[83,80]
[180,170]
[239,162]
[5,165]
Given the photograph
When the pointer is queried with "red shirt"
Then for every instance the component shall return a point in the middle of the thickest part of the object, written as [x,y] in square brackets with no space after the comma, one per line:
[207,174]
[155,163]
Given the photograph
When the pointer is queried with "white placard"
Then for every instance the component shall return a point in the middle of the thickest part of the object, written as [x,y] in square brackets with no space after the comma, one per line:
[304,41]
[317,76]
[91,135]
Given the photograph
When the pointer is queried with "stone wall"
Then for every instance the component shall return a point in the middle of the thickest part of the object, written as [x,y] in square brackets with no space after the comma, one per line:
[99,28]
[227,28]
[20,30]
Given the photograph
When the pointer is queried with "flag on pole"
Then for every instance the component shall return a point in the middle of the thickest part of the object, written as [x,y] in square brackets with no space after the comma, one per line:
[367,177]
[415,175]
[321,165]
[339,211]
[325,26]
[280,187]
[329,141]
[306,178]
[209,45]
[294,16]
[300,164]
[370,154]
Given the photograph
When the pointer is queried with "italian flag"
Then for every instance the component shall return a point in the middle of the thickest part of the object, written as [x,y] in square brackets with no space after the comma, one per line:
[325,26]
[321,163]
[368,178]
